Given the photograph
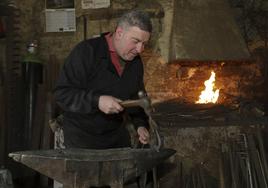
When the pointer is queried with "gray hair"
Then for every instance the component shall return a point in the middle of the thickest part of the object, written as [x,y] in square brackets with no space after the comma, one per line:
[136,18]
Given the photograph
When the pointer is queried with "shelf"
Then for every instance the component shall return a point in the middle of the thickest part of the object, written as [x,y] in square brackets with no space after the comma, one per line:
[154,9]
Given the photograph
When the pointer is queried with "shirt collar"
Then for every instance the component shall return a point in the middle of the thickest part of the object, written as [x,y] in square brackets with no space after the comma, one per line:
[109,39]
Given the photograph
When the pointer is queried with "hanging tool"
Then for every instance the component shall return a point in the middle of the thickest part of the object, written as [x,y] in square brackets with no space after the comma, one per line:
[32,71]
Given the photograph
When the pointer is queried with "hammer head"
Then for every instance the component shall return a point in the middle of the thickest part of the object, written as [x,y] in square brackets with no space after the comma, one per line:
[145,102]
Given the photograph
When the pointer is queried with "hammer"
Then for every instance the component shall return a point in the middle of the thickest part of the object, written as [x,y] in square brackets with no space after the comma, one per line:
[143,101]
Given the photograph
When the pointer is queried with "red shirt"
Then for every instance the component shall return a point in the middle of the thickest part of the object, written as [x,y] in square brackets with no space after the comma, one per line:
[113,54]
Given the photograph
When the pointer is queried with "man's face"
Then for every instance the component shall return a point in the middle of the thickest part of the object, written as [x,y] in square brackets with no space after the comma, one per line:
[130,42]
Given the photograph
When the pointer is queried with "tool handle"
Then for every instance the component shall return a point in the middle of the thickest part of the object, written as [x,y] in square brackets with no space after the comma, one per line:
[130,103]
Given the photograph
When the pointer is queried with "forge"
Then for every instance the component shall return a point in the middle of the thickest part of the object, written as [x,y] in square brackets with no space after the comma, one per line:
[199,131]
[208,110]
[175,114]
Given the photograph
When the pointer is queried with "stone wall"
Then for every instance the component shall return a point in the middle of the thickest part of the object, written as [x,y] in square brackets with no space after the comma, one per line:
[60,44]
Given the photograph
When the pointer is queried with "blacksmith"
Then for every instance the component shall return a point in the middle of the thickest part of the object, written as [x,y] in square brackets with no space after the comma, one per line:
[98,74]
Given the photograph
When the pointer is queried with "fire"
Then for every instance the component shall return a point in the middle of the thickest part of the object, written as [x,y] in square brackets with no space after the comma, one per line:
[209,94]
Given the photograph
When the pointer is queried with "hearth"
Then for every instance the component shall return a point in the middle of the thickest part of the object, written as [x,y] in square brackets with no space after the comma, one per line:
[175,114]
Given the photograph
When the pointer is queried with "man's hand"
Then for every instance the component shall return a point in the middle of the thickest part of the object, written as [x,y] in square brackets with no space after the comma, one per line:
[110,105]
[144,135]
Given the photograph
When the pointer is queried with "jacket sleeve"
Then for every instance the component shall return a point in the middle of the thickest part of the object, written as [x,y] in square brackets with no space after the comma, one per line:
[71,92]
[138,116]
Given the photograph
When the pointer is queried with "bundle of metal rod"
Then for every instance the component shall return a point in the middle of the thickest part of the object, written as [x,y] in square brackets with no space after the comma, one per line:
[243,163]
[196,177]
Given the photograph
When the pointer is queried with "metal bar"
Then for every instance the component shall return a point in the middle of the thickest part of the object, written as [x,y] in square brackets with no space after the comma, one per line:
[262,153]
[255,162]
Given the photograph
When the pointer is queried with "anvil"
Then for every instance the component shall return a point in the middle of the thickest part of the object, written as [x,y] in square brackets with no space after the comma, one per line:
[82,168]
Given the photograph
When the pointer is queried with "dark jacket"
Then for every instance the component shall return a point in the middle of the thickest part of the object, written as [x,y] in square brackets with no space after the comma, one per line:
[88,73]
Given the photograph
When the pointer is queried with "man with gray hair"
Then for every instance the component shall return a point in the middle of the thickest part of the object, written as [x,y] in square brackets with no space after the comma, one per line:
[97,76]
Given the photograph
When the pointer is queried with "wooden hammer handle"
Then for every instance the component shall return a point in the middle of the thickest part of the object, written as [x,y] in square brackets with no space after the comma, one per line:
[130,103]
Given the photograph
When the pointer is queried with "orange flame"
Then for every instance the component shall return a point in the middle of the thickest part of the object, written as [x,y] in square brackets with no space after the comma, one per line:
[208,95]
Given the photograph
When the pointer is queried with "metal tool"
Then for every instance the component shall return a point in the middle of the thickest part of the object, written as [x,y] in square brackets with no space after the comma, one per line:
[82,168]
[145,102]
